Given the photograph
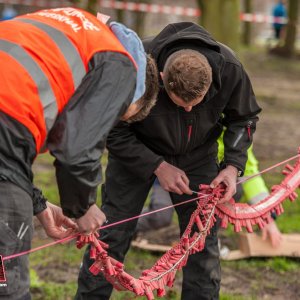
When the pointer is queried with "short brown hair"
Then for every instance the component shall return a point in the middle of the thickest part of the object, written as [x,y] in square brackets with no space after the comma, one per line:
[148,100]
[187,74]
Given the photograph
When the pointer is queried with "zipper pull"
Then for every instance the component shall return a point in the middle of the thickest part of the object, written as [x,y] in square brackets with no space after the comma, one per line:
[249,129]
[190,129]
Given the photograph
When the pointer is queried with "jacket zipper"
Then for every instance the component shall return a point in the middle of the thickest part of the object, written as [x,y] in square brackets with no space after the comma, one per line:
[249,129]
[190,130]
[241,133]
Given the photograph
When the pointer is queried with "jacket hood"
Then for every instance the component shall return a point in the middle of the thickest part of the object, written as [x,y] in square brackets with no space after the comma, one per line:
[188,35]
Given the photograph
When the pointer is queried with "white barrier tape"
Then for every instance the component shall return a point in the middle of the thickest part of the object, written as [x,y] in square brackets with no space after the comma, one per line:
[151,8]
[182,11]
[148,8]
[38,3]
[259,18]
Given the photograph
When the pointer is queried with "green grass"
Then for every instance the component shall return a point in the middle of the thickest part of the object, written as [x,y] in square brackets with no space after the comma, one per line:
[234,297]
[257,59]
[48,291]
[277,264]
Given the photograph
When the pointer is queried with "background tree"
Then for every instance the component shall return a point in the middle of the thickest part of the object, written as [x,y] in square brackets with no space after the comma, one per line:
[89,5]
[246,34]
[288,49]
[221,19]
[92,6]
[291,28]
[140,19]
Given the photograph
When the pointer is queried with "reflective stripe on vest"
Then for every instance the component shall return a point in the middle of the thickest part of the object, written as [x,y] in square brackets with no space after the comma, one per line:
[254,188]
[44,89]
[69,52]
[45,92]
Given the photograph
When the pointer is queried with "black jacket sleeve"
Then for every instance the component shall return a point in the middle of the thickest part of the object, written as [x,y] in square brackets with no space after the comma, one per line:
[124,146]
[78,137]
[240,119]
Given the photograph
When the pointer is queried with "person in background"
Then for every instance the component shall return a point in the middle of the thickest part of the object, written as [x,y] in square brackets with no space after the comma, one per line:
[203,87]
[252,191]
[66,79]
[8,12]
[279,13]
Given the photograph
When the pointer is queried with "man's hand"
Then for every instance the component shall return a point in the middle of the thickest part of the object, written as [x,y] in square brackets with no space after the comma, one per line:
[271,230]
[55,224]
[91,221]
[173,179]
[228,177]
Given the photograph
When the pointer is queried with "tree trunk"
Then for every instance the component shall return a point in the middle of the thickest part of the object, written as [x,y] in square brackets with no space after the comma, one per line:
[246,35]
[92,6]
[221,19]
[210,17]
[140,19]
[291,28]
[230,23]
[120,15]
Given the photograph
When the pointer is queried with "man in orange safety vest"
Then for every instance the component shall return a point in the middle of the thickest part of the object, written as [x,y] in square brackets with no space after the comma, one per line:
[66,79]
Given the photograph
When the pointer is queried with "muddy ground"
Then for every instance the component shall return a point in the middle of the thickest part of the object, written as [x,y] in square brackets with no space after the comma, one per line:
[278,93]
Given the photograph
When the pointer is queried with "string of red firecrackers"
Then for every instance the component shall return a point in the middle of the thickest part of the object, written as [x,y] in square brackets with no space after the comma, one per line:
[148,8]
[65,240]
[163,272]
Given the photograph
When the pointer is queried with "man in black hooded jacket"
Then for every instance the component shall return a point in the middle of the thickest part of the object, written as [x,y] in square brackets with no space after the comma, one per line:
[177,143]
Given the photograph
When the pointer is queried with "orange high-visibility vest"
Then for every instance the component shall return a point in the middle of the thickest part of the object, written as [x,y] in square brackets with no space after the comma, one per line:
[44,57]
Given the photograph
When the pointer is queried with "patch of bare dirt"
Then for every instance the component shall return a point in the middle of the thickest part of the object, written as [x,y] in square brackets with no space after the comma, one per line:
[262,283]
[278,135]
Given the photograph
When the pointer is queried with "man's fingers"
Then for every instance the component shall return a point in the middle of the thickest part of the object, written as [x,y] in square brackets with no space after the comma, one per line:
[175,189]
[216,182]
[65,233]
[230,191]
[184,188]
[59,233]
[67,222]
[185,179]
[88,228]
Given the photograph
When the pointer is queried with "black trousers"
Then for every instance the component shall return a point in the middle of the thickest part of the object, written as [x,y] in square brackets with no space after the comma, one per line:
[123,196]
[16,231]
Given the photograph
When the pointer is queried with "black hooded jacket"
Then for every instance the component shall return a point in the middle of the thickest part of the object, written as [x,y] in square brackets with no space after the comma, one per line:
[188,139]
